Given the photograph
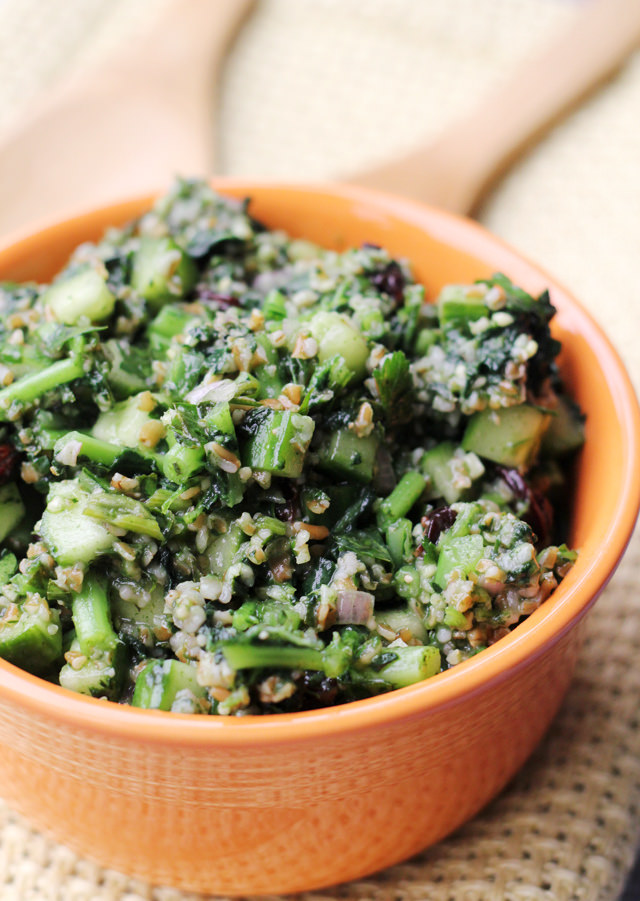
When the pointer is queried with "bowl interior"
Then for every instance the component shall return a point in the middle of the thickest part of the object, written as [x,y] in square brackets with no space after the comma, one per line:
[441,249]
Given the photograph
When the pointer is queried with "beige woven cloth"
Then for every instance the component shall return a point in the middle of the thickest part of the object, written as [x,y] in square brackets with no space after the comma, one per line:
[315,89]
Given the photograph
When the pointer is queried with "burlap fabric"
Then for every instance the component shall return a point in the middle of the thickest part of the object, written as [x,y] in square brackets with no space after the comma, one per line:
[315,89]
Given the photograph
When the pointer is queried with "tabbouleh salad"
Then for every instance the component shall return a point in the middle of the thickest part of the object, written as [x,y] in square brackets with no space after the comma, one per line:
[242,474]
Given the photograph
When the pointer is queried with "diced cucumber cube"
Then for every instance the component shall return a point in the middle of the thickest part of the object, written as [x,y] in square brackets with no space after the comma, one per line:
[458,553]
[347,456]
[170,321]
[336,336]
[99,675]
[566,430]
[399,540]
[11,509]
[71,536]
[122,423]
[451,475]
[219,418]
[141,620]
[8,566]
[454,618]
[278,441]
[436,464]
[223,548]
[401,618]
[129,367]
[412,664]
[160,681]
[510,436]
[162,271]
[33,641]
[84,294]
[181,461]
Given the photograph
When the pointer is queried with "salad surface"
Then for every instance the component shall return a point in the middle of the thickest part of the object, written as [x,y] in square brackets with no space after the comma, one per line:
[243,474]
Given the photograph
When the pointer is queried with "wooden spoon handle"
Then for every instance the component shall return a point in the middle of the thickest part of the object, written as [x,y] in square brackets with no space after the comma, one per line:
[126,126]
[181,56]
[187,41]
[455,170]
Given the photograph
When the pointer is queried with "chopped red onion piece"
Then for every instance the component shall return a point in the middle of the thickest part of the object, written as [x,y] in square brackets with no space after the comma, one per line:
[354,607]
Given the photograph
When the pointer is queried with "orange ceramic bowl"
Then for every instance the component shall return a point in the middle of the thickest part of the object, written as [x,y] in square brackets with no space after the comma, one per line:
[298,801]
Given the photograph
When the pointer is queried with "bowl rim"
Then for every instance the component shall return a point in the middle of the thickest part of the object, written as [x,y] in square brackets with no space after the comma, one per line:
[573,597]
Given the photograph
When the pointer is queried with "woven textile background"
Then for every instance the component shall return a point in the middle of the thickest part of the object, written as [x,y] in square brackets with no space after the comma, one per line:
[316,88]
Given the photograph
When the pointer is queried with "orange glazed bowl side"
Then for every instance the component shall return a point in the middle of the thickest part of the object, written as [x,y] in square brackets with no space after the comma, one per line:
[289,802]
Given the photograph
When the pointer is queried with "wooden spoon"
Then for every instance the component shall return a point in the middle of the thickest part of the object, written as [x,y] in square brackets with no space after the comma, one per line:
[456,169]
[148,112]
[130,125]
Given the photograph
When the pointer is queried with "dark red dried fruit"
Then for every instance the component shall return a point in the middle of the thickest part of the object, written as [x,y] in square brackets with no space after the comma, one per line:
[223,301]
[540,517]
[539,514]
[438,521]
[8,461]
[291,510]
[321,693]
[389,280]
[281,568]
[515,481]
